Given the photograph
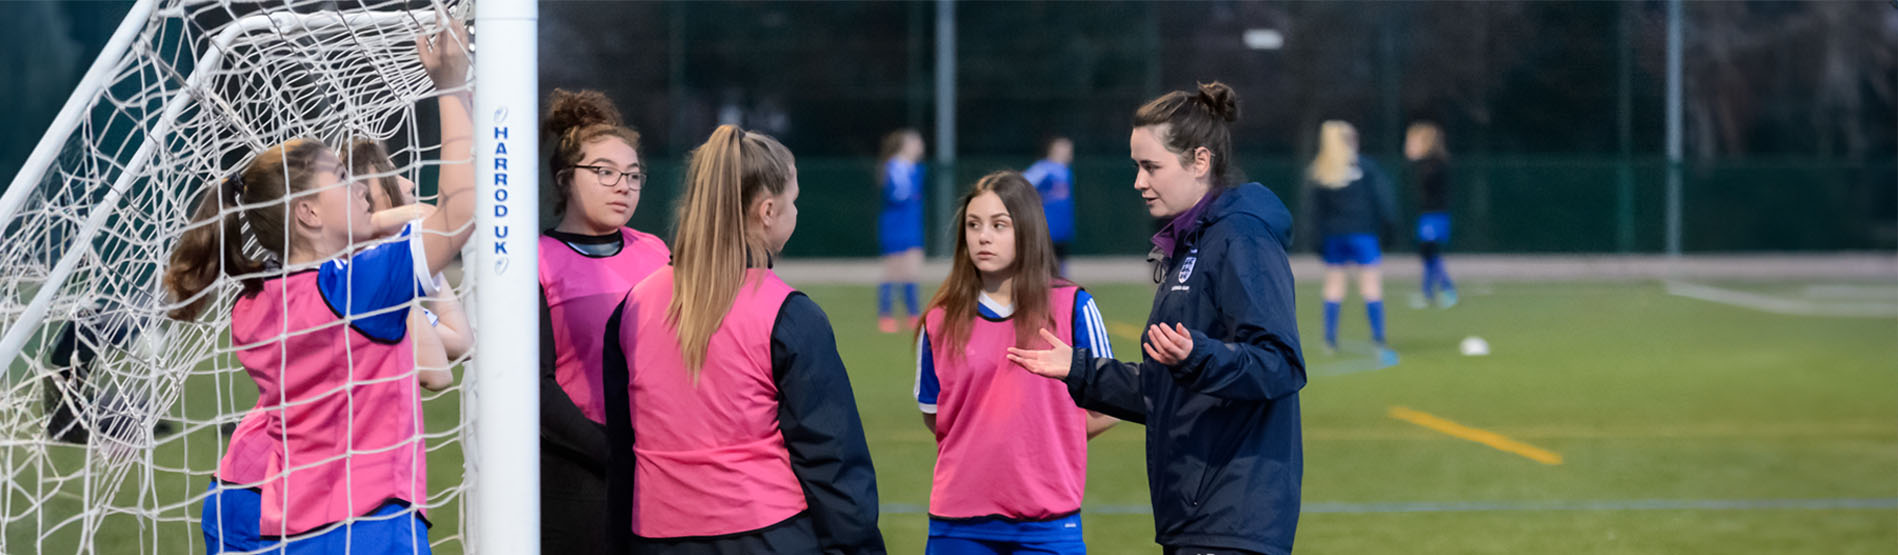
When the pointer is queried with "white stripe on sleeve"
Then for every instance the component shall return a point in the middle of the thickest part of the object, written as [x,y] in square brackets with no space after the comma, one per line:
[423,278]
[916,391]
[1097,329]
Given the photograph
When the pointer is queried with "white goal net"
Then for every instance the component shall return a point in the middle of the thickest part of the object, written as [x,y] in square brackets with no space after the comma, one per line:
[113,417]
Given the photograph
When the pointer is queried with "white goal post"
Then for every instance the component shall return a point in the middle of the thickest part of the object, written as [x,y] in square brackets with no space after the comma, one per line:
[507,155]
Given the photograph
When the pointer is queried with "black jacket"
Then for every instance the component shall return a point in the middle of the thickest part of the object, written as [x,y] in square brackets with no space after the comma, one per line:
[1364,206]
[1432,176]
[1224,454]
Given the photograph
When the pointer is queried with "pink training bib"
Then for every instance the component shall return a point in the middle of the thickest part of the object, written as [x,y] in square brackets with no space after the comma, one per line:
[710,457]
[1008,443]
[582,292]
[337,430]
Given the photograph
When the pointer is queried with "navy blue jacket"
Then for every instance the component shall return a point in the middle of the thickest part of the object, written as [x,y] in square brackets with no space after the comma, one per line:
[1224,453]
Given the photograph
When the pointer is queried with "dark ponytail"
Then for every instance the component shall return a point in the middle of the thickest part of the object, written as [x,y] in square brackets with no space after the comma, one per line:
[215,242]
[1195,120]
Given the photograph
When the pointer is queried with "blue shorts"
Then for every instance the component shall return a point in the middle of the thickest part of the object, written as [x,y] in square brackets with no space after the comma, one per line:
[394,529]
[1433,227]
[231,516]
[1350,248]
[939,545]
[898,241]
[998,536]
[898,231]
[898,246]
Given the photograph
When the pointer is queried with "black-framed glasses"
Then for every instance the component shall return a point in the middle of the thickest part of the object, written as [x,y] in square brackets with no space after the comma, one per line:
[610,177]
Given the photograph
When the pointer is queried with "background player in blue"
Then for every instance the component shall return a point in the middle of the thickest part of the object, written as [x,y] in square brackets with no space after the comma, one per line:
[1430,173]
[900,224]
[1350,207]
[1055,181]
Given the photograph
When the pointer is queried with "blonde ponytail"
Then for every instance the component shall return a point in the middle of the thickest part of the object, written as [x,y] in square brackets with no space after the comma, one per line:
[713,245]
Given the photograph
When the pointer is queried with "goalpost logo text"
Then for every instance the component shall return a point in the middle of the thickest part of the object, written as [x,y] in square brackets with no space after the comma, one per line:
[500,191]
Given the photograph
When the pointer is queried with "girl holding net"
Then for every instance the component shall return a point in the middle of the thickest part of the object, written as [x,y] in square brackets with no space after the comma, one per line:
[334,448]
[441,329]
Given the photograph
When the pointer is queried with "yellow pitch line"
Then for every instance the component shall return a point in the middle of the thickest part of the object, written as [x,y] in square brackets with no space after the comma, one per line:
[1125,331]
[1494,440]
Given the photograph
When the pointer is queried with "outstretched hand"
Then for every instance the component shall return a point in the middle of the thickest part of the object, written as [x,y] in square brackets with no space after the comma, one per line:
[1166,345]
[1052,362]
[445,54]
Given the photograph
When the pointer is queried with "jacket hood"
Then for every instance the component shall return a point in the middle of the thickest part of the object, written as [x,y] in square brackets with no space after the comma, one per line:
[1252,200]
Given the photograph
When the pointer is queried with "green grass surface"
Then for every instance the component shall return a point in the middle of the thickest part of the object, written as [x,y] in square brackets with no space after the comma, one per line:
[1684,426]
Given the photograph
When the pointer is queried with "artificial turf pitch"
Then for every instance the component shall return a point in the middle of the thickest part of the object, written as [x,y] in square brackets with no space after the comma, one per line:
[1681,426]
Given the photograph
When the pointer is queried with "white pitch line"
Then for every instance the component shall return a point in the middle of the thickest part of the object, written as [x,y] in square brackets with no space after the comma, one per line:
[1609,505]
[1781,305]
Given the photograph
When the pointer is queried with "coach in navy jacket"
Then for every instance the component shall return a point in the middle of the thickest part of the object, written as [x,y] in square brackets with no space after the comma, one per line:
[1224,453]
[1218,387]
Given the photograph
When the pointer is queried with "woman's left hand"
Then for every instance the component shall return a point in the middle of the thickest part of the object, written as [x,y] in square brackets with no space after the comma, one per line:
[1053,362]
[1168,346]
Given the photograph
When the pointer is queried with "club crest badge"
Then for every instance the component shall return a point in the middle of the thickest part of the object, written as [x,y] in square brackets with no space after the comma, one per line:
[1186,268]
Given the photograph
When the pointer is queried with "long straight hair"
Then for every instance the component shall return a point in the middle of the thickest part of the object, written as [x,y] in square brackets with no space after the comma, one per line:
[1034,271]
[213,245]
[713,243]
[1336,164]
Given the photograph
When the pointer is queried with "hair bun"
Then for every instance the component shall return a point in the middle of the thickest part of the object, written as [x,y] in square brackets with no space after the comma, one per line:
[568,110]
[1220,100]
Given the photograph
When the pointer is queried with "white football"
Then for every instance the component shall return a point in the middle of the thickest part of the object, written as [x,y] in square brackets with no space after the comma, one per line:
[1474,346]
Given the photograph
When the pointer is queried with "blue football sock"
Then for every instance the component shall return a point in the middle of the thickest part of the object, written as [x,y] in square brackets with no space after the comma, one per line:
[883,298]
[1375,311]
[1331,323]
[909,298]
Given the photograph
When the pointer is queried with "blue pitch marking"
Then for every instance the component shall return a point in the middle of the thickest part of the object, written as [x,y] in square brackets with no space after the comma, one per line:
[1886,503]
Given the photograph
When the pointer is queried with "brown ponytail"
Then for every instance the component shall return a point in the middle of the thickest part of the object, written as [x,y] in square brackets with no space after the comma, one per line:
[712,245]
[1194,120]
[215,242]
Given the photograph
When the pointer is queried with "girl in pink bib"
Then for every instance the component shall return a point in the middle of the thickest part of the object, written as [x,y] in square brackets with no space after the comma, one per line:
[1011,448]
[588,262]
[733,426]
[334,448]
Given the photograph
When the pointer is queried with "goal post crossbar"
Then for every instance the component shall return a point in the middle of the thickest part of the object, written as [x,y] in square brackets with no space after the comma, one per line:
[180,99]
[83,97]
